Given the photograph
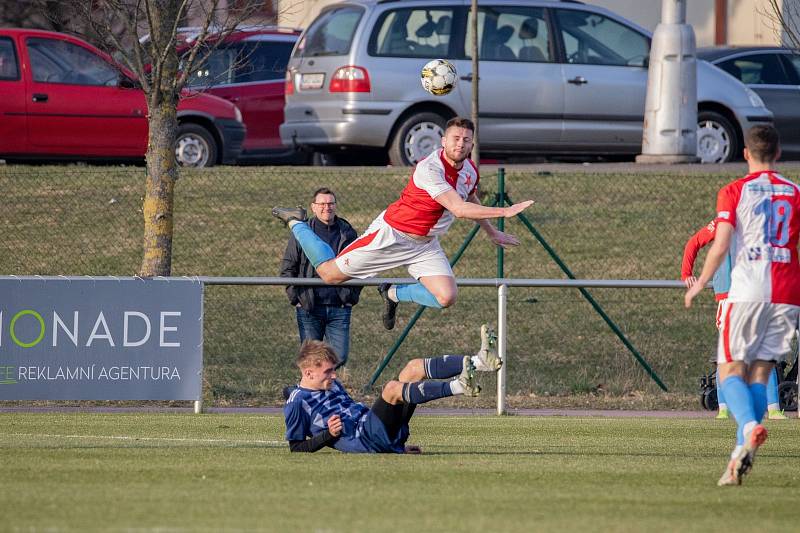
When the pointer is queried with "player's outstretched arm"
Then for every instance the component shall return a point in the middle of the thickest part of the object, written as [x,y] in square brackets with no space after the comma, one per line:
[497,237]
[473,210]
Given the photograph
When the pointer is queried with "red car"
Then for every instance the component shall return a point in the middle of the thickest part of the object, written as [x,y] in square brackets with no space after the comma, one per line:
[63,99]
[249,69]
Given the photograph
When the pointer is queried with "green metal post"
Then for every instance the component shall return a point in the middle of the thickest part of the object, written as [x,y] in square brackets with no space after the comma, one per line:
[590,299]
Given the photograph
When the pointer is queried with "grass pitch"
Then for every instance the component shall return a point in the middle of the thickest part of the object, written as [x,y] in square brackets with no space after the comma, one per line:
[180,472]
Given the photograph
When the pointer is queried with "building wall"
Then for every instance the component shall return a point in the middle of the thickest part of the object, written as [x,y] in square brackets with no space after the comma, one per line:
[299,13]
[748,20]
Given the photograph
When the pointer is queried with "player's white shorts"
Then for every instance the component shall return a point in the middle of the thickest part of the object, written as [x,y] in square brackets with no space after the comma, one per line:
[751,331]
[382,247]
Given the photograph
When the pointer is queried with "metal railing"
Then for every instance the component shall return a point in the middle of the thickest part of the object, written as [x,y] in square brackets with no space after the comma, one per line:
[502,285]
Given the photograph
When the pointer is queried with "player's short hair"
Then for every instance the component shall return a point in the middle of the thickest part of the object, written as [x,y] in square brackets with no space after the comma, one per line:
[322,190]
[314,353]
[460,122]
[763,142]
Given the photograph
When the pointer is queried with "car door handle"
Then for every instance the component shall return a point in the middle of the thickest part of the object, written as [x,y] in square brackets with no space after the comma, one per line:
[39,97]
[468,77]
[577,80]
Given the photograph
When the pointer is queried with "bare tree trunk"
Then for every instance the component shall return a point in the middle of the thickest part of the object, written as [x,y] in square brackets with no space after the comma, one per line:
[159,191]
[162,167]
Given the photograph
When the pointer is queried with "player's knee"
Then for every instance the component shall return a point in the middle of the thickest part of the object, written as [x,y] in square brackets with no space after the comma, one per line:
[413,371]
[446,299]
[330,273]
[392,393]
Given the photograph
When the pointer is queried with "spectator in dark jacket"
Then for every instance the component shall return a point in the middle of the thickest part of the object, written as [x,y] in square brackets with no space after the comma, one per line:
[322,312]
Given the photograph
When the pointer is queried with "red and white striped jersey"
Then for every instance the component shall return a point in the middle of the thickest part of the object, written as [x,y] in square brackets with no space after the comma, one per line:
[417,212]
[764,209]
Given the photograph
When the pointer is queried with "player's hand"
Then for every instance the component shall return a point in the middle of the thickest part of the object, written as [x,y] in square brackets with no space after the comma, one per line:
[516,209]
[503,239]
[335,425]
[690,281]
[693,291]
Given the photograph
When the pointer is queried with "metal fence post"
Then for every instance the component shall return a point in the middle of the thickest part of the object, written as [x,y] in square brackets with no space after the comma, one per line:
[502,296]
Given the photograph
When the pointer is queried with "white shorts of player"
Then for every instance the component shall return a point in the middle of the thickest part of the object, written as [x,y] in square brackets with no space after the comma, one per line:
[756,331]
[382,247]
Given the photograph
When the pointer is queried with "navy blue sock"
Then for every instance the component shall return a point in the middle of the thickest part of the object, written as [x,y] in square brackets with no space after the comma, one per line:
[425,391]
[443,367]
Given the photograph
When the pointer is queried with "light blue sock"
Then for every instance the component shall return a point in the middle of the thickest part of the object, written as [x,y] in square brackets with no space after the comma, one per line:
[417,293]
[315,248]
[740,403]
[772,388]
[759,393]
[720,396]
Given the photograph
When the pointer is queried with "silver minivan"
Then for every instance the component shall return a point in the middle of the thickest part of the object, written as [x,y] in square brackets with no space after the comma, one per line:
[556,78]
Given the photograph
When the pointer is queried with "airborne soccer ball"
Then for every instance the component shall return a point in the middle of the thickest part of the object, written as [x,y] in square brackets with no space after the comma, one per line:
[438,77]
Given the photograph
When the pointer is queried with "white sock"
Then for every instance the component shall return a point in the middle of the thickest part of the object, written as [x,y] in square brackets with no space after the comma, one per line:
[392,293]
[456,387]
[291,223]
[723,407]
[736,451]
[773,407]
[479,364]
[748,428]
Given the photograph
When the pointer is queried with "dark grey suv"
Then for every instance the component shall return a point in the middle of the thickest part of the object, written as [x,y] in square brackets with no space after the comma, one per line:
[556,78]
[774,74]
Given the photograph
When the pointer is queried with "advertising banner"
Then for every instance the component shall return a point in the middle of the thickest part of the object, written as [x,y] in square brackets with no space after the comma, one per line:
[101,339]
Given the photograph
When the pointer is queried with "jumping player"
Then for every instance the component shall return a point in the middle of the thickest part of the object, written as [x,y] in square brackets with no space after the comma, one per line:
[442,188]
[320,413]
[758,223]
[721,282]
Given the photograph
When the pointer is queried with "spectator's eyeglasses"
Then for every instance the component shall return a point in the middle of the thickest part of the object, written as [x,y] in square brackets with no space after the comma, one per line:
[325,204]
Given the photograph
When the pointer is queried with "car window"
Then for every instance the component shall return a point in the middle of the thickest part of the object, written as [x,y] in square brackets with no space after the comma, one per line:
[9,69]
[262,61]
[794,61]
[593,39]
[217,69]
[412,33]
[511,34]
[757,69]
[331,33]
[55,61]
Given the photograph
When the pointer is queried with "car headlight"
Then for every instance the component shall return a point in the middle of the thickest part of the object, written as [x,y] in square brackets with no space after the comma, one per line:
[755,100]
[238,114]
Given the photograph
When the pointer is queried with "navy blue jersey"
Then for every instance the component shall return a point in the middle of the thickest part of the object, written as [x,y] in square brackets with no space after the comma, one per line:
[307,412]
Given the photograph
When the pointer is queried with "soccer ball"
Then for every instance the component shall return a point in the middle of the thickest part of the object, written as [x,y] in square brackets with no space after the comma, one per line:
[438,77]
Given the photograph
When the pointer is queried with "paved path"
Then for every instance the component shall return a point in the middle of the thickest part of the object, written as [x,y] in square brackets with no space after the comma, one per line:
[607,413]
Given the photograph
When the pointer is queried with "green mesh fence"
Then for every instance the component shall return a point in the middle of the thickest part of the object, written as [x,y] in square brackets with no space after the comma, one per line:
[81,220]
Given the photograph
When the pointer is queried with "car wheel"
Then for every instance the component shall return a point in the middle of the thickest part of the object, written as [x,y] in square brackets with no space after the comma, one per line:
[195,146]
[716,138]
[416,138]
